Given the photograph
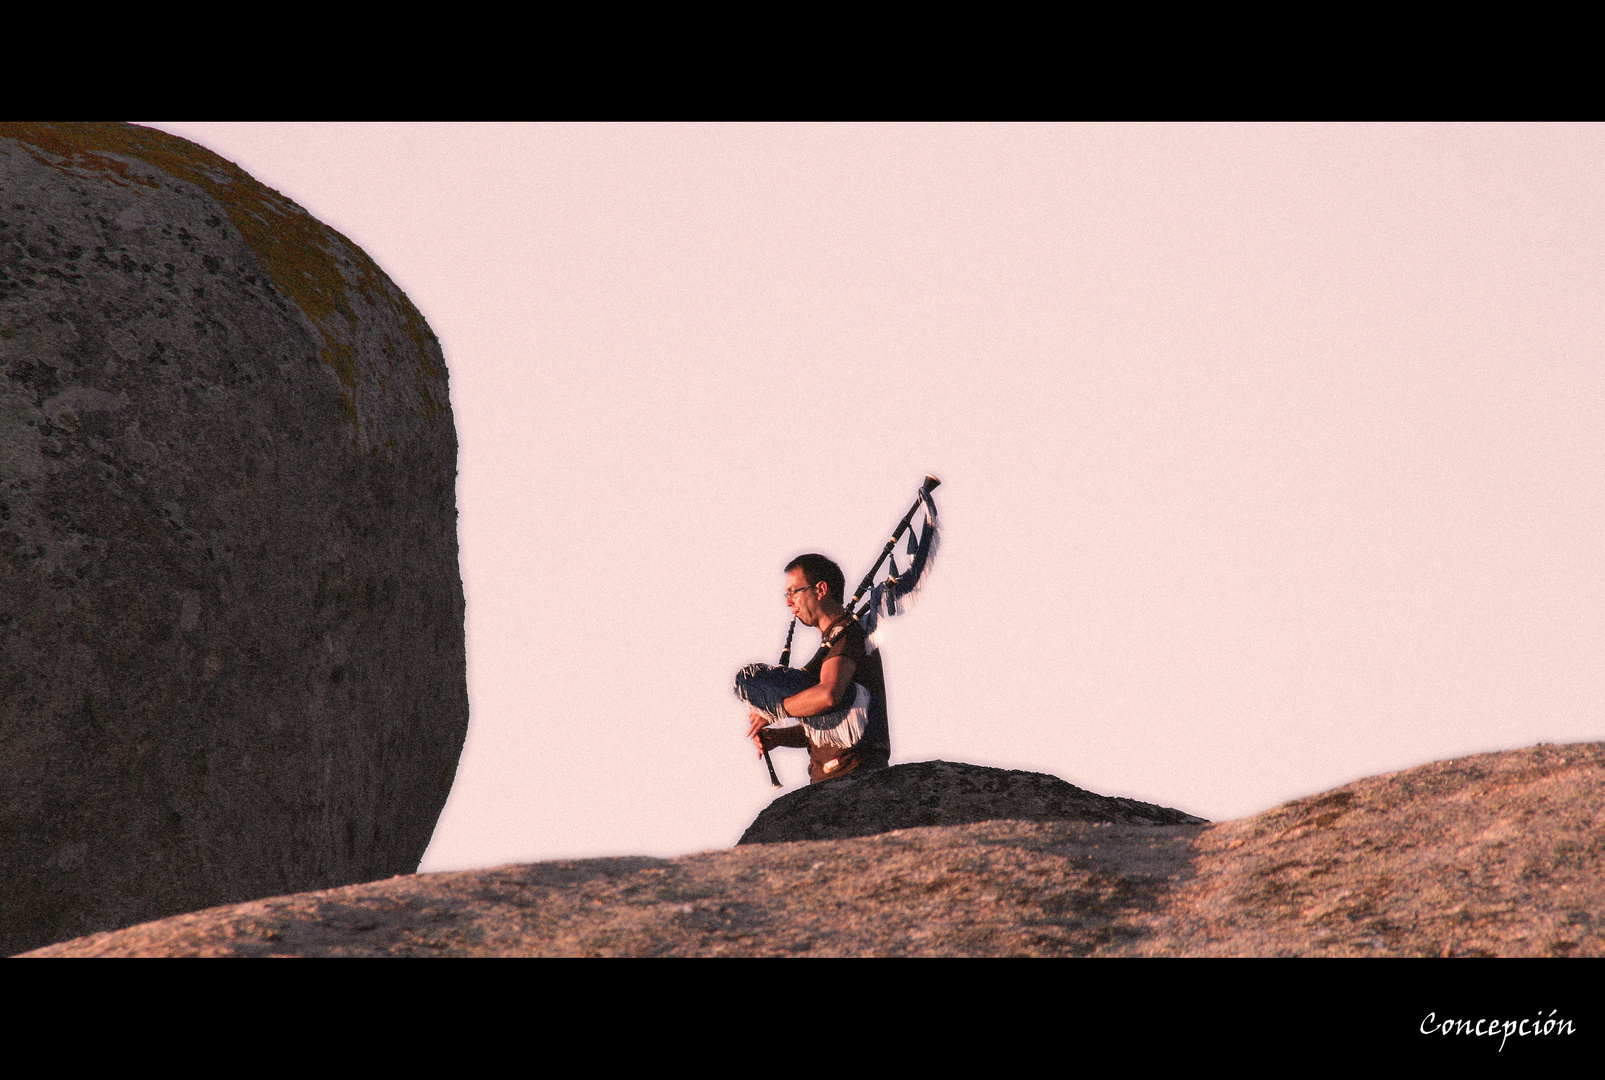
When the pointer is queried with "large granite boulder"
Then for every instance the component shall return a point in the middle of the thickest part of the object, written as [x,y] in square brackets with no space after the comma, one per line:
[231,619]
[940,793]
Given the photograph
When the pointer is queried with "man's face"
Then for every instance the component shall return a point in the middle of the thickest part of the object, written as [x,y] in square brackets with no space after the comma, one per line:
[803,598]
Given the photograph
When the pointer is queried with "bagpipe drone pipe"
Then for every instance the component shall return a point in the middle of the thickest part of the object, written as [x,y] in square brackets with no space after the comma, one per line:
[898,591]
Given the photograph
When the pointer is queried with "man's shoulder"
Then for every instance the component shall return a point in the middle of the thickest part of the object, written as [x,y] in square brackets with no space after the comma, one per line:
[848,637]
[846,628]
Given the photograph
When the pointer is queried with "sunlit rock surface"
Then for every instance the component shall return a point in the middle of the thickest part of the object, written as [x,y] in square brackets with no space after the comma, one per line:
[231,619]
[1493,855]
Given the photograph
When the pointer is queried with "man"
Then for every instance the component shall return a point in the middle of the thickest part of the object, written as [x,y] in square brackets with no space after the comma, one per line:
[839,700]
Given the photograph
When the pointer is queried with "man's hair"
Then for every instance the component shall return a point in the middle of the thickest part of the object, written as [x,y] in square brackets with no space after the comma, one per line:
[817,568]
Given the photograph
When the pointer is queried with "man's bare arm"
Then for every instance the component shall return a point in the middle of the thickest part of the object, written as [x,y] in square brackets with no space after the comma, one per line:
[835,677]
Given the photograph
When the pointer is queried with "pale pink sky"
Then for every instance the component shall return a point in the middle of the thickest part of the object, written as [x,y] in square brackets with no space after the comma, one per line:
[1272,455]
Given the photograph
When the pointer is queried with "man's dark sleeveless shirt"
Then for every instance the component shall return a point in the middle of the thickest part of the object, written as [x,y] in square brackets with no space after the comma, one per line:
[847,640]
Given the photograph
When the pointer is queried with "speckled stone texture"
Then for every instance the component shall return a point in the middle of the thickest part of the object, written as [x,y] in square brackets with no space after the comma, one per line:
[231,619]
[1493,855]
[940,793]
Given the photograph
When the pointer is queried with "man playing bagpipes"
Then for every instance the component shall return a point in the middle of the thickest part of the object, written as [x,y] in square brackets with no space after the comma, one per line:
[838,699]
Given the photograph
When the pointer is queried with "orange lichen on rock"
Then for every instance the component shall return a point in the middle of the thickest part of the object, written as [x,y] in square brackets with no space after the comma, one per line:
[294,247]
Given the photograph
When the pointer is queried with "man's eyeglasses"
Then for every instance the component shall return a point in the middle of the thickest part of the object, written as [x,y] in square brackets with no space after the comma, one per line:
[801,588]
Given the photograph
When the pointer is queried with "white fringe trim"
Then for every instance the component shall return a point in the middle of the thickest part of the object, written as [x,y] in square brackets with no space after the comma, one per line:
[851,728]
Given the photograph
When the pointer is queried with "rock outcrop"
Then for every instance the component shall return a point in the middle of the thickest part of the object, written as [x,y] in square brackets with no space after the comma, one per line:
[940,793]
[1495,855]
[231,619]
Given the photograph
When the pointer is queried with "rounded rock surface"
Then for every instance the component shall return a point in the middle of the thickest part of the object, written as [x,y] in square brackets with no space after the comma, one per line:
[231,619]
[922,793]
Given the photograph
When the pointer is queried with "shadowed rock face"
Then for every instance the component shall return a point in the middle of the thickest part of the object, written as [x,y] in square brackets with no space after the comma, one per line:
[940,793]
[231,620]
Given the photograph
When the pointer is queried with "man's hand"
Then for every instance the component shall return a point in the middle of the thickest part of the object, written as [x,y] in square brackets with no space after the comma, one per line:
[757,721]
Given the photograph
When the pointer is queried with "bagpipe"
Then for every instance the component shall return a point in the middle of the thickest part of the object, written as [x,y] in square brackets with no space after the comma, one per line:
[895,594]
